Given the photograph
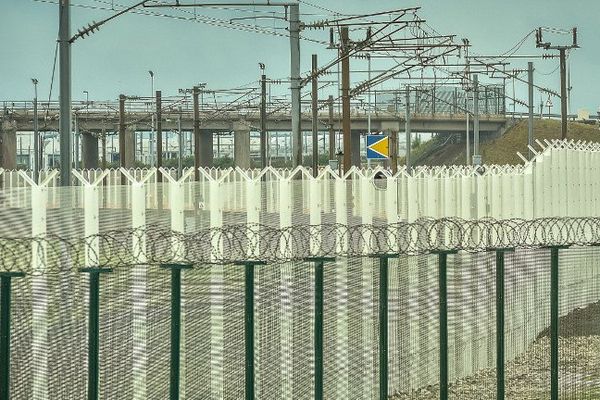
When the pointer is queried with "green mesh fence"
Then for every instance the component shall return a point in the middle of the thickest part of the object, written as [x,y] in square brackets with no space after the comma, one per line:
[49,333]
[579,345]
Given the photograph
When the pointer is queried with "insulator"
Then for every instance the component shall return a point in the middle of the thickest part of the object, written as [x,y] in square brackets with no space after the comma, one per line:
[331,37]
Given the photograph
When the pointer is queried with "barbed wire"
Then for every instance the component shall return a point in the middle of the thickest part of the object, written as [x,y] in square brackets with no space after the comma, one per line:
[264,243]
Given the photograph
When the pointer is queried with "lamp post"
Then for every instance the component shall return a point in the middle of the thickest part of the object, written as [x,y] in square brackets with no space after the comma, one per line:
[36,134]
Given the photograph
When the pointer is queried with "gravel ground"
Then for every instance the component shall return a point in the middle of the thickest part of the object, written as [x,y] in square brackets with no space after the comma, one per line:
[528,376]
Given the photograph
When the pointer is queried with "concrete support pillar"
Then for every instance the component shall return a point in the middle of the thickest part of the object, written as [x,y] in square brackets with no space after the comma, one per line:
[130,146]
[355,156]
[241,146]
[89,150]
[8,145]
[206,147]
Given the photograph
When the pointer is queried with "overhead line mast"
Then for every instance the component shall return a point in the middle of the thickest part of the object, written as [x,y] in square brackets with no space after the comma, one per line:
[539,41]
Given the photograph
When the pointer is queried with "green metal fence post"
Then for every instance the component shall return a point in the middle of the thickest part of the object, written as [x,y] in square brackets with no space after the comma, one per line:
[175,326]
[500,383]
[443,319]
[383,322]
[94,329]
[554,320]
[5,299]
[249,324]
[318,339]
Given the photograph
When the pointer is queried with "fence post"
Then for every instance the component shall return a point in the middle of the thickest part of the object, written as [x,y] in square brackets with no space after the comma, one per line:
[318,339]
[554,320]
[443,319]
[139,279]
[178,249]
[249,324]
[500,320]
[39,283]
[318,335]
[175,325]
[383,322]
[5,299]
[94,328]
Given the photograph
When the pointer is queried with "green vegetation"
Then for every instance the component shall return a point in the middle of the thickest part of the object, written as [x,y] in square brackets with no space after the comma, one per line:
[420,149]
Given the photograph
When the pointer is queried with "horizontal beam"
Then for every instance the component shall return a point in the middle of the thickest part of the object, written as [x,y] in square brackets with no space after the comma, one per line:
[178,4]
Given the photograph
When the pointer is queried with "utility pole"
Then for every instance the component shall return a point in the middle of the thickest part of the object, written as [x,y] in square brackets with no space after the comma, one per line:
[563,93]
[563,72]
[159,148]
[346,99]
[263,120]
[530,124]
[295,82]
[476,155]
[196,95]
[331,130]
[315,116]
[64,36]
[407,130]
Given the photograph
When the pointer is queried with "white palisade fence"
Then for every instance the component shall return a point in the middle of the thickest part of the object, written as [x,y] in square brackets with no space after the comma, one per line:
[561,181]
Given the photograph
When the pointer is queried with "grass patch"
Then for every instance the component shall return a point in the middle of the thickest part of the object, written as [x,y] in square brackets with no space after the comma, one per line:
[503,150]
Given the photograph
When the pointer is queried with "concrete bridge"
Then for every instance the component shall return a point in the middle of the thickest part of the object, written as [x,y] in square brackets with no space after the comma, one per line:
[95,121]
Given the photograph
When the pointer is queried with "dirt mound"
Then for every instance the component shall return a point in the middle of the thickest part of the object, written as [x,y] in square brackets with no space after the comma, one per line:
[579,322]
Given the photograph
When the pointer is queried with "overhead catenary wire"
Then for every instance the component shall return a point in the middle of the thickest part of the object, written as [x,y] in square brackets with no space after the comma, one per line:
[423,52]
[53,74]
[213,21]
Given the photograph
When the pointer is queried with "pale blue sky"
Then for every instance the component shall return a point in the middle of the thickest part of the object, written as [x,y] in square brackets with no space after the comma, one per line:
[181,53]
